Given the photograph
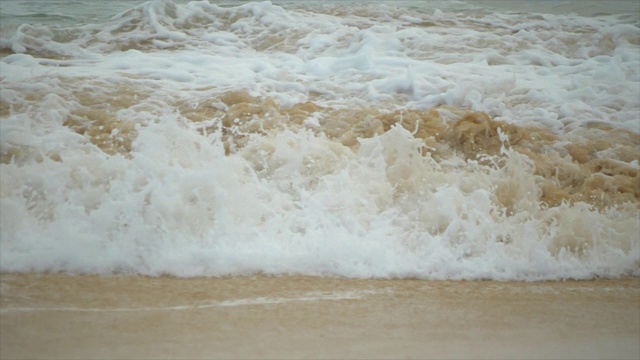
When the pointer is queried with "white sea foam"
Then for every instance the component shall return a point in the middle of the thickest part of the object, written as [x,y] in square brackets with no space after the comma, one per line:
[310,296]
[298,198]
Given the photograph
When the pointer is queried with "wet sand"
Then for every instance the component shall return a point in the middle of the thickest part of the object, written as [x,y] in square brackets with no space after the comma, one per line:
[60,316]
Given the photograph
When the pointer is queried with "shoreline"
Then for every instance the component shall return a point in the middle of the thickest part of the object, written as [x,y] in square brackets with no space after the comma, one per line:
[81,316]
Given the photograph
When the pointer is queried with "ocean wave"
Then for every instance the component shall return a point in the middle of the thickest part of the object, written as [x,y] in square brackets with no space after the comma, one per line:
[367,141]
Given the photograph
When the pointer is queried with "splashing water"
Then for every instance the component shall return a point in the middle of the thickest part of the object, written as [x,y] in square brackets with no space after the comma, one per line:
[194,138]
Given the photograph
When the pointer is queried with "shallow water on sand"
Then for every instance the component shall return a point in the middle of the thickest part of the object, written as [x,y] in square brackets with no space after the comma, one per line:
[309,317]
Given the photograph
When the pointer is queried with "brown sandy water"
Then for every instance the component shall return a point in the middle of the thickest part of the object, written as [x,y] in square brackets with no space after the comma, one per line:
[61,316]
[86,143]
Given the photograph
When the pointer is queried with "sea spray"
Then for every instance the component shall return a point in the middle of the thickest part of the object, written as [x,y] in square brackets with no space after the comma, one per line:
[196,139]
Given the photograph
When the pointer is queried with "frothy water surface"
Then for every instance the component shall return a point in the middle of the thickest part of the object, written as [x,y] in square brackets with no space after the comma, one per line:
[438,140]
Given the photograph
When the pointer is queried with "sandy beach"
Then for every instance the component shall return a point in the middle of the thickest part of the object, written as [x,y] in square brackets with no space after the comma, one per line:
[82,317]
